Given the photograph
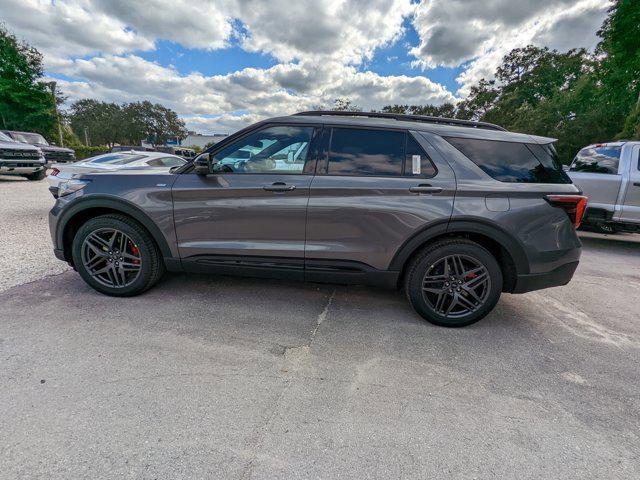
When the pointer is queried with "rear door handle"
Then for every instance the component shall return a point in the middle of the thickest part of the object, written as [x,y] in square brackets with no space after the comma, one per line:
[278,187]
[636,184]
[425,188]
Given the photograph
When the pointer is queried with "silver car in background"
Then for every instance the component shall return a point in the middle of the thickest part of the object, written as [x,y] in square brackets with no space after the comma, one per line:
[609,174]
[110,162]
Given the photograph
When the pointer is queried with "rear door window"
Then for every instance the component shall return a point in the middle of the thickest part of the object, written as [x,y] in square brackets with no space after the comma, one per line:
[601,159]
[356,151]
[512,162]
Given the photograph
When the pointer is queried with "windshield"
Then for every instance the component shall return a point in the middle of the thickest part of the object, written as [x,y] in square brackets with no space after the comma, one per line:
[115,158]
[30,138]
[5,138]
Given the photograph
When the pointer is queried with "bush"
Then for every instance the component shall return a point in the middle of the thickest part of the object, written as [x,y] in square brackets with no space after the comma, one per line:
[83,152]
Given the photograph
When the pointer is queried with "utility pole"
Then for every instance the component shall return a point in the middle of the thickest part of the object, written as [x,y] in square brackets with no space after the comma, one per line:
[52,85]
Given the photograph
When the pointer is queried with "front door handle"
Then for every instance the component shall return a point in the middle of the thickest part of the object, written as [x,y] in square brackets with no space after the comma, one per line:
[425,188]
[278,187]
[636,184]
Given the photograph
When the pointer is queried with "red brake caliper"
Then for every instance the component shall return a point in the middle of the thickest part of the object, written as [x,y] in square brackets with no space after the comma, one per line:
[135,251]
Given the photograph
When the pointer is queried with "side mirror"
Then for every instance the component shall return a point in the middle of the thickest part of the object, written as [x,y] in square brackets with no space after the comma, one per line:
[203,164]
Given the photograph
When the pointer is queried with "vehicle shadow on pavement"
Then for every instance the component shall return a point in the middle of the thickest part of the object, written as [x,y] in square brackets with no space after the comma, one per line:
[618,243]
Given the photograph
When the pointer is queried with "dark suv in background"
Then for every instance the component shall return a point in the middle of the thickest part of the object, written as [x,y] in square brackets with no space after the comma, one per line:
[454,212]
[52,153]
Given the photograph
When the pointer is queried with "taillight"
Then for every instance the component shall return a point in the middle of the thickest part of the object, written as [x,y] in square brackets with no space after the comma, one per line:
[574,205]
[54,172]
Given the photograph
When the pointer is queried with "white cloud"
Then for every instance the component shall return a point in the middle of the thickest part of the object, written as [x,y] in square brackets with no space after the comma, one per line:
[321,47]
[63,29]
[453,32]
[262,92]
[347,31]
[342,30]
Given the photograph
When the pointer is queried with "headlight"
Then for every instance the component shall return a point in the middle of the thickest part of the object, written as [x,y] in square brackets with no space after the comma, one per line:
[71,186]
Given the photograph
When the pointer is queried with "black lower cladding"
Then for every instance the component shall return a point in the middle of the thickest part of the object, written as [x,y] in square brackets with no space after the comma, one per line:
[537,281]
[321,271]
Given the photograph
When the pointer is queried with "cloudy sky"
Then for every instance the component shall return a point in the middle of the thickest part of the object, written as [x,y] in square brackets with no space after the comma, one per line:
[222,64]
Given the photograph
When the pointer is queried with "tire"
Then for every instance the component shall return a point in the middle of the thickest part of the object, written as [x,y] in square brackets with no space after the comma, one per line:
[37,176]
[472,267]
[130,270]
[606,228]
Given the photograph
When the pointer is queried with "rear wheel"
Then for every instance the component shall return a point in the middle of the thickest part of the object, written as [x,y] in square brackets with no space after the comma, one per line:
[606,228]
[116,256]
[453,283]
[37,176]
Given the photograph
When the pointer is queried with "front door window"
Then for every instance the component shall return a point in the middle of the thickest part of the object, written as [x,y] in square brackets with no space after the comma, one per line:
[279,150]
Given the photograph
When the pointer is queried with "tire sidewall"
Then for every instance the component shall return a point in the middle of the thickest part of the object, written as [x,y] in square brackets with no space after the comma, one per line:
[144,246]
[414,285]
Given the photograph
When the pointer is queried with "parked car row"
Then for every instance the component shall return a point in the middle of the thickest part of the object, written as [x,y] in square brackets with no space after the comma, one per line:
[52,153]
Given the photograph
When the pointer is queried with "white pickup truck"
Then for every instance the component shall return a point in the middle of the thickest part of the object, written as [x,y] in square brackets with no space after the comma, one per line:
[609,174]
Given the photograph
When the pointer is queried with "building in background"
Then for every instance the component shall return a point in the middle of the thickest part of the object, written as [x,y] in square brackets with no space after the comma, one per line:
[194,139]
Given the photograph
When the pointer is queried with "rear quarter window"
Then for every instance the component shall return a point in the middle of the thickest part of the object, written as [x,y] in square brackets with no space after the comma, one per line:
[512,162]
[597,160]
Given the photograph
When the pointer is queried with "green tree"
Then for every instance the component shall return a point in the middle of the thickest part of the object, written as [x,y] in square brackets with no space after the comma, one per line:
[158,123]
[344,105]
[98,122]
[26,102]
[128,124]
[445,110]
[619,70]
[480,100]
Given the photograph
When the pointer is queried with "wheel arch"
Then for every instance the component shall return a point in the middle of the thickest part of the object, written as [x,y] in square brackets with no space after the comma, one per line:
[507,250]
[76,215]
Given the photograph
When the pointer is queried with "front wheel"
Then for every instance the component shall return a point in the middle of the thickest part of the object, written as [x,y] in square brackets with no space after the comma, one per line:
[453,283]
[116,256]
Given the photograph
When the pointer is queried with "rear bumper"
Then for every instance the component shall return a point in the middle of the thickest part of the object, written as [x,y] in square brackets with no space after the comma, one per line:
[537,281]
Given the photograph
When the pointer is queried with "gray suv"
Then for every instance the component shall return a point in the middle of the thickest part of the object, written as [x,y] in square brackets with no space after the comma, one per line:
[455,212]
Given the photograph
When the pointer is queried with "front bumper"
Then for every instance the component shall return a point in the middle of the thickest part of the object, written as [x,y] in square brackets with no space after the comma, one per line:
[14,168]
[537,281]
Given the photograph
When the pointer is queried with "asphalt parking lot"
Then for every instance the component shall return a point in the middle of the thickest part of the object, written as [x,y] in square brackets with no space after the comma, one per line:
[213,377]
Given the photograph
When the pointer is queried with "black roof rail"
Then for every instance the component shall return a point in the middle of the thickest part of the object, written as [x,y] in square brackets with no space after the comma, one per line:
[405,118]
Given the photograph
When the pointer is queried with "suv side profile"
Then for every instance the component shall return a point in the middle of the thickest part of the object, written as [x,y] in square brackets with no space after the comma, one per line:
[455,212]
